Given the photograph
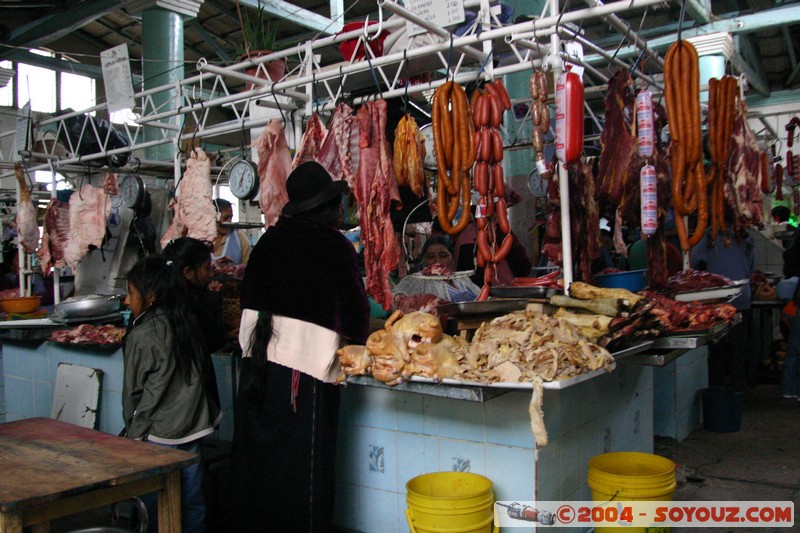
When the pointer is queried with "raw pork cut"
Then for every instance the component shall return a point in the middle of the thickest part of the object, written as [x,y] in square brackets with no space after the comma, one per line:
[274,165]
[312,141]
[375,189]
[89,208]
[27,228]
[55,235]
[340,153]
[193,210]
[618,139]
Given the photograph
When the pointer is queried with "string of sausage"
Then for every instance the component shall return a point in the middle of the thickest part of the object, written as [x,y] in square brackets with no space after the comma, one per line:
[682,91]
[488,106]
[721,109]
[455,153]
[540,114]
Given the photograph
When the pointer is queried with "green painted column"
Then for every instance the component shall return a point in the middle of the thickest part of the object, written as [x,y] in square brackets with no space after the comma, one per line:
[710,66]
[162,53]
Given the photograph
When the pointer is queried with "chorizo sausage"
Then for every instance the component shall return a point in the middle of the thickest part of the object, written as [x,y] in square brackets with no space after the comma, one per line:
[497,146]
[503,93]
[499,183]
[501,210]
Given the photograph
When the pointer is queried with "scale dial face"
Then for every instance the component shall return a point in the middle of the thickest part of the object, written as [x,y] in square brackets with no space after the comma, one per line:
[243,179]
[430,157]
[537,184]
[132,190]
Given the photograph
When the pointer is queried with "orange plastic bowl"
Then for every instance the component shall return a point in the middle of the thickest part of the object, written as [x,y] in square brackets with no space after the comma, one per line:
[25,304]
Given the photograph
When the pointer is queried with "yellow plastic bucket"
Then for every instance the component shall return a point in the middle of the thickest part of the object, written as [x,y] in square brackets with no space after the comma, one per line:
[450,502]
[631,476]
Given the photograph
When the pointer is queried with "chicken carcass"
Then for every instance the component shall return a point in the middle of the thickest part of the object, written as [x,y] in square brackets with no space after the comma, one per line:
[274,165]
[388,358]
[27,228]
[414,328]
[354,360]
[437,360]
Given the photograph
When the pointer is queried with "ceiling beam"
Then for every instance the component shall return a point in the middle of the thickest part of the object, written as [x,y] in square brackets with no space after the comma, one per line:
[302,17]
[789,44]
[745,60]
[209,40]
[58,24]
[699,10]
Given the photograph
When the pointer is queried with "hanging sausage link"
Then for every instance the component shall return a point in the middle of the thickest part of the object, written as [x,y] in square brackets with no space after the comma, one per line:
[491,211]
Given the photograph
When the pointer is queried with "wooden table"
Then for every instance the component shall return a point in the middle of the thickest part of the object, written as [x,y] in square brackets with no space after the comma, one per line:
[50,469]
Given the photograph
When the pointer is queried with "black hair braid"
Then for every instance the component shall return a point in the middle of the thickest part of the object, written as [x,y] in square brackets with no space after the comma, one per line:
[153,275]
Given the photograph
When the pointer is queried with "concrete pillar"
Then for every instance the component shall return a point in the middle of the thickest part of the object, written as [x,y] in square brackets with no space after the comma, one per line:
[711,66]
[162,54]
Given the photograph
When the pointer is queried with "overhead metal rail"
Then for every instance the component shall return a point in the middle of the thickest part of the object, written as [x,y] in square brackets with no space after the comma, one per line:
[312,87]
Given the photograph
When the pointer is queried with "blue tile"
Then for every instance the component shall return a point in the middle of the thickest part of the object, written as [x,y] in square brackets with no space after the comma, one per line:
[110,420]
[571,478]
[409,409]
[548,472]
[555,421]
[459,419]
[416,455]
[507,419]
[10,361]
[376,459]
[42,399]
[20,397]
[24,369]
[12,391]
[40,367]
[466,455]
[380,513]
[377,408]
[349,405]
[430,411]
[512,471]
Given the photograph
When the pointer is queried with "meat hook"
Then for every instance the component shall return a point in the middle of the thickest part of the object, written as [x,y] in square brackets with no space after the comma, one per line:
[380,24]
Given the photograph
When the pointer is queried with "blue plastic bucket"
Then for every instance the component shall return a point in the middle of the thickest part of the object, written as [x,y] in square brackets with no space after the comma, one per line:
[633,280]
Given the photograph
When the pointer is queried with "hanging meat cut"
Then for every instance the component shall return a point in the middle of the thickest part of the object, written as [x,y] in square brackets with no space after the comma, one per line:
[193,210]
[375,190]
[742,186]
[89,208]
[312,141]
[618,139]
[274,165]
[27,228]
[55,234]
[340,152]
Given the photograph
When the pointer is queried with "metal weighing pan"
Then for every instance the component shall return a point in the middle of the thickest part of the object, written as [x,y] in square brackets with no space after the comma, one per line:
[499,307]
[510,291]
[87,306]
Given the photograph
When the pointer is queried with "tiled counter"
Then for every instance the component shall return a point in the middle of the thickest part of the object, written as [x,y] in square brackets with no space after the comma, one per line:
[677,408]
[29,377]
[387,437]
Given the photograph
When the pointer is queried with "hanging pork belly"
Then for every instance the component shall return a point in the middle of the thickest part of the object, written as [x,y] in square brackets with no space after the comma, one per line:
[742,186]
[55,234]
[274,165]
[340,151]
[193,210]
[89,208]
[312,141]
[27,228]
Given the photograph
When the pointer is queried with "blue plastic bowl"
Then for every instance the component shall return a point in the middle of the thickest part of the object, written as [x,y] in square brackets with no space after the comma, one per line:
[633,280]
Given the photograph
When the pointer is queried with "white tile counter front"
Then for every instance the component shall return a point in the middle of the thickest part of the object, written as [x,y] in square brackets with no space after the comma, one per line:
[29,377]
[387,437]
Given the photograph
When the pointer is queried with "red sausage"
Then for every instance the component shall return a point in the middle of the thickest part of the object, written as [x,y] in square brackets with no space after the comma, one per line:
[484,250]
[501,90]
[482,177]
[484,294]
[569,117]
[497,146]
[502,252]
[486,145]
[499,185]
[502,215]
[488,273]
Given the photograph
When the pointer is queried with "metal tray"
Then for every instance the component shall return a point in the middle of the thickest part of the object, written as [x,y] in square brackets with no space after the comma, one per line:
[716,294]
[498,307]
[509,291]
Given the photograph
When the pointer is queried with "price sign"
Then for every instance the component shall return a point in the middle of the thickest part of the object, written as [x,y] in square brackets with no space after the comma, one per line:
[440,13]
[117,78]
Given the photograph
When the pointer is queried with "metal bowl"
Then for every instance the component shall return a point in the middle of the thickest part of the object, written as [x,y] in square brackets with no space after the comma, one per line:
[87,306]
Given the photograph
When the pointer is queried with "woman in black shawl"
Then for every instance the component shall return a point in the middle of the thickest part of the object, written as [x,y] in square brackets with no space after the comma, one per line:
[302,297]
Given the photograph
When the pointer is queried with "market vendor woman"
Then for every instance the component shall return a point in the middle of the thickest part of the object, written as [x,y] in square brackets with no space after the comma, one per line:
[302,297]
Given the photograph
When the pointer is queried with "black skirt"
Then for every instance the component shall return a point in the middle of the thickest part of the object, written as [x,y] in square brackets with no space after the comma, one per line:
[283,455]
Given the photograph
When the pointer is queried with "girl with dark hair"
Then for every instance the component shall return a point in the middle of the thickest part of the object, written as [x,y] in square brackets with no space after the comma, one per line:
[168,376]
[302,297]
[192,259]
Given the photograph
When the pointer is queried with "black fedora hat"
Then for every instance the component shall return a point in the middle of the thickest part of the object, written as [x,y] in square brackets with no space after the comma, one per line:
[309,186]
